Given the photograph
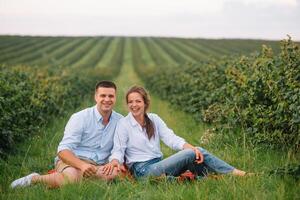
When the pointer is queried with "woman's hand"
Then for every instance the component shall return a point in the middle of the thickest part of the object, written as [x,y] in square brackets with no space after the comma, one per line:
[199,155]
[109,167]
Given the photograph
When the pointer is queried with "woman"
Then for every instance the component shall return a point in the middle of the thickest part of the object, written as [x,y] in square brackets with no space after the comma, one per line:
[137,138]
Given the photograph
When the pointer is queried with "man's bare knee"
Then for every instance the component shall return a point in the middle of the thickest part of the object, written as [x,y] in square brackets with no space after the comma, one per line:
[71,175]
[58,180]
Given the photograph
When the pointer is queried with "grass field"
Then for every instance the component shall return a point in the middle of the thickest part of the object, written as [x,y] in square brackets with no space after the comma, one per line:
[38,152]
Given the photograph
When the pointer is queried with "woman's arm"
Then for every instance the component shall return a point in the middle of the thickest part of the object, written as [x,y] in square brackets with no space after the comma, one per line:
[173,141]
[167,135]
[109,167]
[118,151]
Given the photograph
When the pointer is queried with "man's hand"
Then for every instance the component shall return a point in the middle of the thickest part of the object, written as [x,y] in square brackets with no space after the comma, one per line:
[88,170]
[109,167]
[69,158]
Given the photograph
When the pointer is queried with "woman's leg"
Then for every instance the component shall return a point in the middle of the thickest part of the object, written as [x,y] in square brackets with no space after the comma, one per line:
[212,164]
[185,160]
[141,169]
[173,165]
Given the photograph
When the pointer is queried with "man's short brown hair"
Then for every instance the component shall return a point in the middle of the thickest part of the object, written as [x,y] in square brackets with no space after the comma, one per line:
[105,84]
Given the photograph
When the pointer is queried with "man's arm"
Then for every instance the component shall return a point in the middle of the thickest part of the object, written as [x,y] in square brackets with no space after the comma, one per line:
[72,138]
[69,158]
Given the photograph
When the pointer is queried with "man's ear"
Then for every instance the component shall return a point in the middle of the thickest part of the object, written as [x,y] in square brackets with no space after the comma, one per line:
[95,96]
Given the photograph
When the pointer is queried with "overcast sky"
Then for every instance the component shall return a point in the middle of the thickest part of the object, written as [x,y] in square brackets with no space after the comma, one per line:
[263,19]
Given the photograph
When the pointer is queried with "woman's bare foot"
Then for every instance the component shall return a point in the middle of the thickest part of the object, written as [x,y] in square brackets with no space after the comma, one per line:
[237,172]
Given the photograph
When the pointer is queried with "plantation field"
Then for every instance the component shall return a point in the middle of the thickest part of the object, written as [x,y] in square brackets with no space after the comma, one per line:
[97,52]
[65,69]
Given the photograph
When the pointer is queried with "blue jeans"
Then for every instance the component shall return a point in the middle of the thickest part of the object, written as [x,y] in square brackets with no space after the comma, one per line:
[179,163]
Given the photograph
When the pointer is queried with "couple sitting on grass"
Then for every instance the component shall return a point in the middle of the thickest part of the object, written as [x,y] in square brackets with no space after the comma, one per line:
[97,141]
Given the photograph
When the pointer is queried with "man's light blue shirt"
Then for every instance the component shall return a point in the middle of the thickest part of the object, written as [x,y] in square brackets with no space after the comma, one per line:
[87,137]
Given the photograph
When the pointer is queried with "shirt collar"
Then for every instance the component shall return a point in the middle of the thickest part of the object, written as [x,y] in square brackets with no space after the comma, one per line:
[99,116]
[132,120]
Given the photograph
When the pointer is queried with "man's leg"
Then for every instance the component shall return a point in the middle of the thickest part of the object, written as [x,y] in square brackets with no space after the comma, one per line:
[54,180]
[64,174]
[58,179]
[70,175]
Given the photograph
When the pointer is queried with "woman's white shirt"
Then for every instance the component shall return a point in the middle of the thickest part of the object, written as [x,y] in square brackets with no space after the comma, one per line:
[131,140]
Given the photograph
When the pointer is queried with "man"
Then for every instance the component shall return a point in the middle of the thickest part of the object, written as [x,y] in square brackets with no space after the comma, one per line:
[86,145]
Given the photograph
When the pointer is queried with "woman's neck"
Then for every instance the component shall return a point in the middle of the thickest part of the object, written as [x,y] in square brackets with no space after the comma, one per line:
[140,120]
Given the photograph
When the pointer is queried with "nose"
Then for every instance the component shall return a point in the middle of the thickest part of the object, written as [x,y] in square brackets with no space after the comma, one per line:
[106,98]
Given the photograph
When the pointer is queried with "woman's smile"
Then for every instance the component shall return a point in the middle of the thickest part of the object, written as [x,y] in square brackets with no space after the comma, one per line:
[136,104]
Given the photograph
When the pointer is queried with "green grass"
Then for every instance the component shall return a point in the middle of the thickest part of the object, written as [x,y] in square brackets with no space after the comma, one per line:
[37,154]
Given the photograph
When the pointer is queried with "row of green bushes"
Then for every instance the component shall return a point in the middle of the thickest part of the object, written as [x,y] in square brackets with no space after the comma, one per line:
[29,97]
[259,93]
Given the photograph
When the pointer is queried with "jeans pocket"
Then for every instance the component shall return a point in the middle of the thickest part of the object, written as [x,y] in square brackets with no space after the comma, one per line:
[139,169]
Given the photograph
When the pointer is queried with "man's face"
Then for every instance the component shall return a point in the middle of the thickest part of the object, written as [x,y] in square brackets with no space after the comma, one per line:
[105,99]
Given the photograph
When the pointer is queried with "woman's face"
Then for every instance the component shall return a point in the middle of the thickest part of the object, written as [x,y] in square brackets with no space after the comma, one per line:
[136,104]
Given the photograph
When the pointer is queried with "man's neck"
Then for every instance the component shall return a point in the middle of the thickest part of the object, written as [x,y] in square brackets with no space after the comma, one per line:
[105,117]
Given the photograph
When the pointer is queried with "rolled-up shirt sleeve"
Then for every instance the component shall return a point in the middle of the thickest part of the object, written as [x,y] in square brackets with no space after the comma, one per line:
[168,136]
[72,135]
[120,143]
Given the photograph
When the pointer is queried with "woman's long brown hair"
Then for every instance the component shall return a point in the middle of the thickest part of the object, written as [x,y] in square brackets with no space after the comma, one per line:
[148,123]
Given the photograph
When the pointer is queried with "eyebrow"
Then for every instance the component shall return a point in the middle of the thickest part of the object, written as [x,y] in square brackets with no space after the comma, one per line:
[111,95]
